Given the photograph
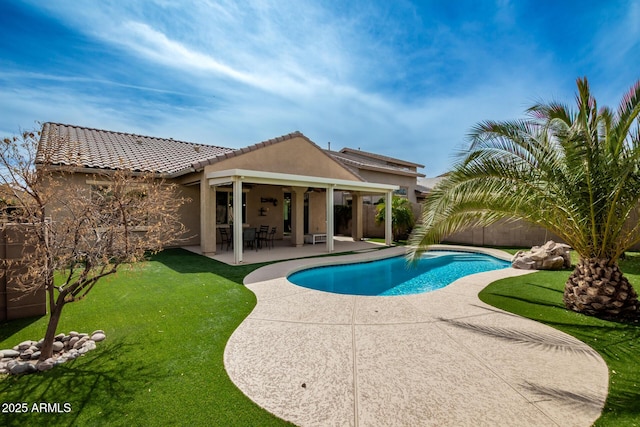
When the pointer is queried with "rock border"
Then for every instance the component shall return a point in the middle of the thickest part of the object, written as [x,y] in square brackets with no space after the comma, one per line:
[23,358]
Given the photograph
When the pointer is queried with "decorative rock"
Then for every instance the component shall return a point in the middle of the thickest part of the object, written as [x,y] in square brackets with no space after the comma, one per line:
[59,337]
[554,263]
[73,341]
[26,355]
[537,255]
[89,345]
[99,331]
[46,364]
[35,355]
[58,346]
[550,256]
[98,336]
[73,334]
[22,368]
[80,342]
[522,263]
[10,353]
[24,345]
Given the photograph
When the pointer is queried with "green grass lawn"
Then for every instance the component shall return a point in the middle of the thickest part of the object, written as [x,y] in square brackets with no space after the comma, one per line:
[167,323]
[538,296]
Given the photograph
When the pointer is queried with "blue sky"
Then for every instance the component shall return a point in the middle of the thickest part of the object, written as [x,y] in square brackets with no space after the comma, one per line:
[406,79]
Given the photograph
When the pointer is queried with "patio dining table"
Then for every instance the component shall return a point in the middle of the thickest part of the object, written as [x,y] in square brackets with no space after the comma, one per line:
[250,237]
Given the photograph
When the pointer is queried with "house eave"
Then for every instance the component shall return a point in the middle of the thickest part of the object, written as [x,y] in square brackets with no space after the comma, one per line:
[103,171]
[283,179]
[391,171]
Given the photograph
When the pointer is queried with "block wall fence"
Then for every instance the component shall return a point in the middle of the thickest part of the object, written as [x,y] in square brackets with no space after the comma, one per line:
[16,304]
[503,233]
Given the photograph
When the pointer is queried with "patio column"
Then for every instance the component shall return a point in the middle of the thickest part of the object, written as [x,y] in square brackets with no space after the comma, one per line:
[207,217]
[330,218]
[356,216]
[388,233]
[237,220]
[297,216]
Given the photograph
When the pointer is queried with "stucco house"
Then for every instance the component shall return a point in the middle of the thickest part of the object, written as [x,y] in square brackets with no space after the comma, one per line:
[287,182]
[373,167]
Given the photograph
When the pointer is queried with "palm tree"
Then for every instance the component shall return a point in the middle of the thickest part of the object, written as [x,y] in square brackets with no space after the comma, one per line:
[402,218]
[575,172]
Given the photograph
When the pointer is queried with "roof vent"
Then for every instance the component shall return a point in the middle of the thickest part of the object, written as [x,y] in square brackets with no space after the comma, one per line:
[139,141]
[197,149]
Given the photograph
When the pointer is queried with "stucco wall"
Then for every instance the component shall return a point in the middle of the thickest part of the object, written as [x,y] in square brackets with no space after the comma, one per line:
[317,212]
[189,212]
[408,182]
[272,216]
[293,156]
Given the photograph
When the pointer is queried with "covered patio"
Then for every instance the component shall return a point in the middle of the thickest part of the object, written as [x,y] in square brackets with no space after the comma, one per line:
[283,250]
[297,186]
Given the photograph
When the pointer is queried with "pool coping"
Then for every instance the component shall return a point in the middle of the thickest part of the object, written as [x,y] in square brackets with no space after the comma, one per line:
[316,358]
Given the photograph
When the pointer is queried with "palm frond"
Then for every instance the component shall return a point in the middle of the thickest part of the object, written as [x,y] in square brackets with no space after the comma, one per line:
[574,172]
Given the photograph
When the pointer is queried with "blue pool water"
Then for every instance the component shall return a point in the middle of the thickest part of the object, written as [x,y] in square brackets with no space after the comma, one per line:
[392,276]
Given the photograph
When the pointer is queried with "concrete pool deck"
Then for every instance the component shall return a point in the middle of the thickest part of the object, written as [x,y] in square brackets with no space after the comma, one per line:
[440,358]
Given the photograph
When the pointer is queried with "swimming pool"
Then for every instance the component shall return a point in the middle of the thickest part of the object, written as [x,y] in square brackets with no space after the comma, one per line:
[392,276]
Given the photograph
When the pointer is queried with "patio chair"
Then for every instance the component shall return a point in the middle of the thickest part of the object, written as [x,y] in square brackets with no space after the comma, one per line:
[271,237]
[261,235]
[249,238]
[225,238]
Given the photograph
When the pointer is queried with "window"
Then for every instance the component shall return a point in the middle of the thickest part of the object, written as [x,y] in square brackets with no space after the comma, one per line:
[224,207]
[402,192]
[133,201]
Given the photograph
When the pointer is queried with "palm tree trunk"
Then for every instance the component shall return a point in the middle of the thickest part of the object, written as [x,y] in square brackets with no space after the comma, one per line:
[598,288]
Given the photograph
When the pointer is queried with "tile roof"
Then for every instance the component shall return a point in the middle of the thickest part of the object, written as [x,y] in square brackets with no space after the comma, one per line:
[379,158]
[376,163]
[71,145]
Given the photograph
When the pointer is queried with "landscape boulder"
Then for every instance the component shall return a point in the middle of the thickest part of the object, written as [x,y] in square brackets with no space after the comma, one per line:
[550,256]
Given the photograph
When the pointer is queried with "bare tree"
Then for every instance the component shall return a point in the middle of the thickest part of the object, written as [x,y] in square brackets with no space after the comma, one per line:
[80,227]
